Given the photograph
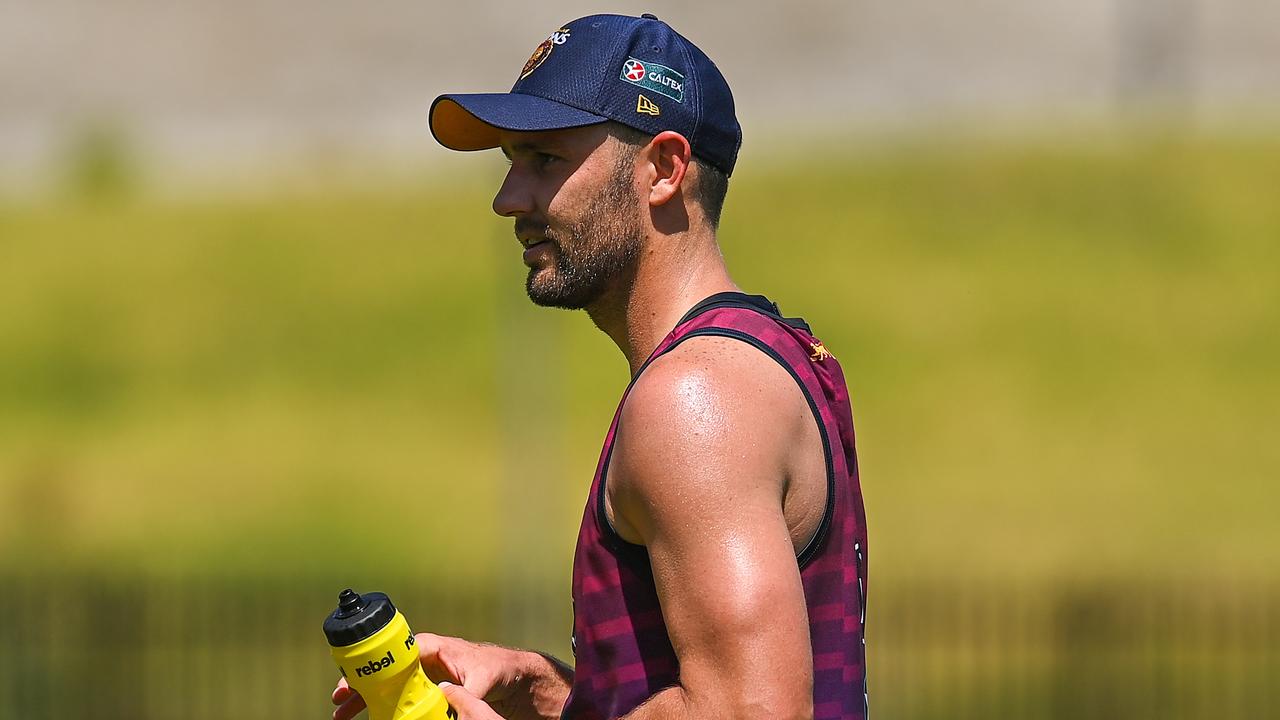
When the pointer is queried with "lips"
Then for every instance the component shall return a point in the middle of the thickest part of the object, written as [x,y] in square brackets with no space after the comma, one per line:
[533,236]
[535,247]
[531,228]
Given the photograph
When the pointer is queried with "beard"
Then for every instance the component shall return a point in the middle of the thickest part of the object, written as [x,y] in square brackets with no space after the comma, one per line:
[592,251]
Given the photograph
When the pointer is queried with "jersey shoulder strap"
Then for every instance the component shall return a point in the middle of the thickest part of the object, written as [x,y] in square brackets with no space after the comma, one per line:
[758,303]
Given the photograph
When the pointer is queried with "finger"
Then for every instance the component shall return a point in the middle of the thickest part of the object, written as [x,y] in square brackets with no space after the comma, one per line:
[342,692]
[350,708]
[466,705]
[429,647]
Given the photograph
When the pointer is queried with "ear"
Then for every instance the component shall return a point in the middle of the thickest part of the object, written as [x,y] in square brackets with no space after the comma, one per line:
[668,155]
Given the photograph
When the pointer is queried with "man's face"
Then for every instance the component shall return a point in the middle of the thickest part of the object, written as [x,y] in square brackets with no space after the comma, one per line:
[573,196]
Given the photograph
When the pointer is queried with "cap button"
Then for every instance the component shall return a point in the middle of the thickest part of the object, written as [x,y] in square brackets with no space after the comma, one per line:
[649,16]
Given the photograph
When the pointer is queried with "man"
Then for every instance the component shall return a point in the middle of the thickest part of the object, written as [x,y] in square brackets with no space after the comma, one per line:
[721,569]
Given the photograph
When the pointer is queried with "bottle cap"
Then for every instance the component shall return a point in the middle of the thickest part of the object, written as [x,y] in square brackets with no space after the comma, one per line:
[357,617]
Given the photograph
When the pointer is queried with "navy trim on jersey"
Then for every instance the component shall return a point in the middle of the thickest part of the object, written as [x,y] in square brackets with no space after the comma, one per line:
[759,303]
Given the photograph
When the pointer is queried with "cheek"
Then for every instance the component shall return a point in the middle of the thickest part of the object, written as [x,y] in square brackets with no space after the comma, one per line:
[569,192]
[564,206]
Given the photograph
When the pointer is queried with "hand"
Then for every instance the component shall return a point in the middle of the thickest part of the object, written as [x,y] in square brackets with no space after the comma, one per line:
[348,701]
[500,675]
[467,706]
[486,671]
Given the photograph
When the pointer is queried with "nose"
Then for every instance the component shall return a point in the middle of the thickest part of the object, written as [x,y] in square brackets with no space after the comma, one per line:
[513,197]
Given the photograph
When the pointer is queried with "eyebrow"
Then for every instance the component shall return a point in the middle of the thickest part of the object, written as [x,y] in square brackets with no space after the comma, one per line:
[526,146]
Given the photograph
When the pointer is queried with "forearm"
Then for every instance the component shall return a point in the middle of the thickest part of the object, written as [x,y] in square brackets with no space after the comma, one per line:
[546,680]
[669,704]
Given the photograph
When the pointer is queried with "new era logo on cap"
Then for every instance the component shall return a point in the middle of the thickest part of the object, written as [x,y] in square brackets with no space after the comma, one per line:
[646,106]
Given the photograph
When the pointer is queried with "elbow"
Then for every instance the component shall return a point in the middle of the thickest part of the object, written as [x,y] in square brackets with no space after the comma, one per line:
[773,707]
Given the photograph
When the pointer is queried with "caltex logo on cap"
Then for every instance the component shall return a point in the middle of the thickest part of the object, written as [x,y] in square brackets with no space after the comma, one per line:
[633,70]
[652,76]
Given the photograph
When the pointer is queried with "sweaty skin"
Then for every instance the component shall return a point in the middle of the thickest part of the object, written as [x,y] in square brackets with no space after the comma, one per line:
[717,467]
[718,471]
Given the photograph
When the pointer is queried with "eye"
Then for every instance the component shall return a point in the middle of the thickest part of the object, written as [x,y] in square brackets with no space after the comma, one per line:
[542,159]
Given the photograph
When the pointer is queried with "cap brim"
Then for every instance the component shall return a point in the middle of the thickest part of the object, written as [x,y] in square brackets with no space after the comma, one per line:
[473,121]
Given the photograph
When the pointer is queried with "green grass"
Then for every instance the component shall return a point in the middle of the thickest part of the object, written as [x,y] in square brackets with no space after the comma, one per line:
[1060,354]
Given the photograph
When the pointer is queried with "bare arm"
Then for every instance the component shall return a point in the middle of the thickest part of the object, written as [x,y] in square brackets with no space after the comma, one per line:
[699,477]
[701,467]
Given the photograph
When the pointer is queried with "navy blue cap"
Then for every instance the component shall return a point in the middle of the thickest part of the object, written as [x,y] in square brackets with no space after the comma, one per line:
[635,71]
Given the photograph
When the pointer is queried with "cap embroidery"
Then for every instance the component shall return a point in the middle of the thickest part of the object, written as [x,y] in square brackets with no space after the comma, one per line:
[647,106]
[633,70]
[543,51]
[654,77]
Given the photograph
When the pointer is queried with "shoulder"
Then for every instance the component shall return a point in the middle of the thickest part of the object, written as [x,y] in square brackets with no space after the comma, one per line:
[710,421]
[707,380]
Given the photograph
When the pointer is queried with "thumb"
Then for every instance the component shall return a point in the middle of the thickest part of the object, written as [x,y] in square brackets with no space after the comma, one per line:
[465,705]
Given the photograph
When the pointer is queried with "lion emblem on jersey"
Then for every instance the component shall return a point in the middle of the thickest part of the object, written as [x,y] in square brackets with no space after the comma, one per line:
[543,51]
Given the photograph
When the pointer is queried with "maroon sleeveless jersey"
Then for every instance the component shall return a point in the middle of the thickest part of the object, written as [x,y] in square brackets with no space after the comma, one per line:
[620,641]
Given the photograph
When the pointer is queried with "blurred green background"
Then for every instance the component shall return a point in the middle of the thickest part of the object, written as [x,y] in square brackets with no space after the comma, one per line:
[220,406]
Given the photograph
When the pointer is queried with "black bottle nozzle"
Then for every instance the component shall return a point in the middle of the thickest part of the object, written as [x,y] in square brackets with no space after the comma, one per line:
[349,603]
[357,617]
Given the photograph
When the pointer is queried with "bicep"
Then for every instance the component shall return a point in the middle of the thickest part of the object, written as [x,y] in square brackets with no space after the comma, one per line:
[735,611]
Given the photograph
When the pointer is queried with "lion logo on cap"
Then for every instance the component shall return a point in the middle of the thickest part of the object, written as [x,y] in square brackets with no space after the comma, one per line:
[543,51]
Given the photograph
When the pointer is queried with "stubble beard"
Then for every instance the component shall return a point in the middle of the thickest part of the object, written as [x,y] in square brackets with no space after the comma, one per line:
[593,251]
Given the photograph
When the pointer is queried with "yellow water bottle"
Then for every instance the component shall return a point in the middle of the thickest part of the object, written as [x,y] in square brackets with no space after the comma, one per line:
[377,654]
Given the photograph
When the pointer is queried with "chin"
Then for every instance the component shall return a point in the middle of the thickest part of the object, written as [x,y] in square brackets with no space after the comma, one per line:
[541,289]
[546,293]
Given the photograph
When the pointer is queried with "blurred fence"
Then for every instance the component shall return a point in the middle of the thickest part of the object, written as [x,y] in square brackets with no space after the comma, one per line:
[1117,649]
[94,647]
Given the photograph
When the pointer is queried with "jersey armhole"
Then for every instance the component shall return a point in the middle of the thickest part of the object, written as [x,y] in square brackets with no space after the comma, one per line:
[810,549]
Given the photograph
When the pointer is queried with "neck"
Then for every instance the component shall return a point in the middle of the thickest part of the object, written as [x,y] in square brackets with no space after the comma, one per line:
[672,274]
